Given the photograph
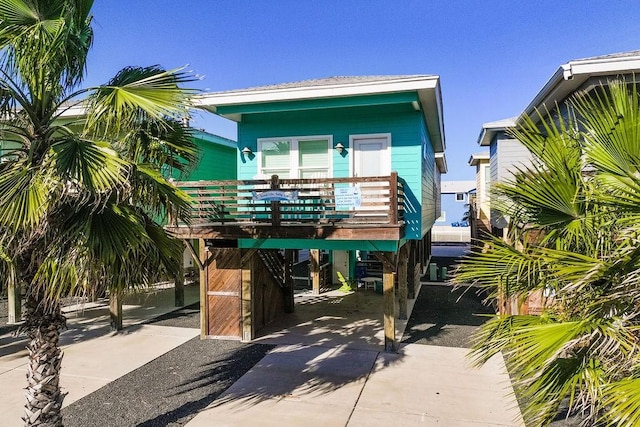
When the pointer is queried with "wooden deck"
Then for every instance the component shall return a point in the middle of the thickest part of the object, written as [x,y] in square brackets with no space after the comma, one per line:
[329,208]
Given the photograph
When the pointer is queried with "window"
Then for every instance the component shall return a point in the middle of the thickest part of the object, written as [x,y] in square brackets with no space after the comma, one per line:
[460,197]
[299,157]
[275,157]
[487,174]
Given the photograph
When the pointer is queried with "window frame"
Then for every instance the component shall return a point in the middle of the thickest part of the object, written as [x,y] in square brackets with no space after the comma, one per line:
[294,152]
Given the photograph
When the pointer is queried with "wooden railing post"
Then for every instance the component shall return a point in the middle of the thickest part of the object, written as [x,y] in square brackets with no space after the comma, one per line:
[393,196]
[172,219]
[275,205]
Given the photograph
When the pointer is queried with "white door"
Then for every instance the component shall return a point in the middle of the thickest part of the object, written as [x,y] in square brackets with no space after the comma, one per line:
[372,157]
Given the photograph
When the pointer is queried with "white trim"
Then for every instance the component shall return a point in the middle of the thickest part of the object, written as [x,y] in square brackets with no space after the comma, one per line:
[310,92]
[427,88]
[570,76]
[386,155]
[293,148]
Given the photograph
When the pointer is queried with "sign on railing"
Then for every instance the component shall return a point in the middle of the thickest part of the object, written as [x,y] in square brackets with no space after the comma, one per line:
[274,196]
[348,198]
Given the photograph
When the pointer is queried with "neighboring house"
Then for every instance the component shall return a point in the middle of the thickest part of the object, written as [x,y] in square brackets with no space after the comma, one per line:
[6,148]
[506,154]
[343,164]
[218,157]
[217,161]
[453,225]
[480,205]
[576,76]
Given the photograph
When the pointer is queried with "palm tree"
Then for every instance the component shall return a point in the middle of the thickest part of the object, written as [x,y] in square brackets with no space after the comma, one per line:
[81,196]
[574,235]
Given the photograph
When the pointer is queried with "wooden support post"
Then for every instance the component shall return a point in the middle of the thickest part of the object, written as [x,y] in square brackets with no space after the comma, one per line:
[403,262]
[179,287]
[15,303]
[289,303]
[115,310]
[389,308]
[204,318]
[314,267]
[411,271]
[247,266]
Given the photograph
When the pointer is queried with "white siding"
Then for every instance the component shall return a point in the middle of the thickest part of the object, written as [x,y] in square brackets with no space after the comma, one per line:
[507,154]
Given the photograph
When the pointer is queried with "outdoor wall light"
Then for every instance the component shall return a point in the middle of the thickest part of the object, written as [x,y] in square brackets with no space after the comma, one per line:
[247,151]
[339,147]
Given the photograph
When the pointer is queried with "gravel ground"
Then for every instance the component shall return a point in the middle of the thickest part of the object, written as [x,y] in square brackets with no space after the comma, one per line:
[170,390]
[446,317]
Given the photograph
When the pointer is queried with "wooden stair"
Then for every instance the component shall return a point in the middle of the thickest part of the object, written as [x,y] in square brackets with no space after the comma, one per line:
[275,263]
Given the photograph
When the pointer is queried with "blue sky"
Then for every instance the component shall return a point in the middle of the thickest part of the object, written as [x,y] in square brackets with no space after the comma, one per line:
[492,56]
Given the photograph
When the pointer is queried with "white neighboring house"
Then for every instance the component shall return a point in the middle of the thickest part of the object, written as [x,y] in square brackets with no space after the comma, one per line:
[452,227]
[483,180]
[505,155]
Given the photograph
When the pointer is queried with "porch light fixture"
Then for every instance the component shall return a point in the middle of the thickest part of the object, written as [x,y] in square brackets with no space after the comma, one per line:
[339,147]
[247,151]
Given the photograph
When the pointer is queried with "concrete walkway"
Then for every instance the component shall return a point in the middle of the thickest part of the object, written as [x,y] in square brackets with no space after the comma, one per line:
[94,355]
[327,370]
[318,386]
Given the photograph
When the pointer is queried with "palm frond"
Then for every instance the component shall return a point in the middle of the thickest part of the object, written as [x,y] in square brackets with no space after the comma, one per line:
[24,196]
[621,401]
[158,196]
[497,265]
[136,94]
[92,165]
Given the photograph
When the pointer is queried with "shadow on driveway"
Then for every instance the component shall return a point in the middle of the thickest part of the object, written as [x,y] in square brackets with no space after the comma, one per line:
[445,317]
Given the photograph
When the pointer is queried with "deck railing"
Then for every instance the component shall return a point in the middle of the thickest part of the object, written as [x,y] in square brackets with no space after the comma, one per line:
[275,201]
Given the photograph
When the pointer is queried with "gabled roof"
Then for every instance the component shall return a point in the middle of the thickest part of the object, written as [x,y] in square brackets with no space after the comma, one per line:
[570,76]
[490,129]
[327,81]
[425,85]
[213,138]
[477,158]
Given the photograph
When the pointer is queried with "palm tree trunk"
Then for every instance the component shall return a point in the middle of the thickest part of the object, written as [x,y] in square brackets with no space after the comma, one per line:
[43,396]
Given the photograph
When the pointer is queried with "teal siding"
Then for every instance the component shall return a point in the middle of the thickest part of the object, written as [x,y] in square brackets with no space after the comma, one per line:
[7,146]
[218,158]
[430,183]
[408,135]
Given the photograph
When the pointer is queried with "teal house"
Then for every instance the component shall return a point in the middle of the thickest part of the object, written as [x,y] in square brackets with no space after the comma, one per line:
[349,166]
[217,157]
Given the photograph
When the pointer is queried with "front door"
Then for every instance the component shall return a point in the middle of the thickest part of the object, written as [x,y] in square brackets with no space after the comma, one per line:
[372,157]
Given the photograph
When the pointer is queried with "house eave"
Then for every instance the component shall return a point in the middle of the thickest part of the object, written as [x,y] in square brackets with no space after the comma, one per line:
[490,129]
[570,76]
[477,158]
[427,88]
[441,162]
[211,101]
